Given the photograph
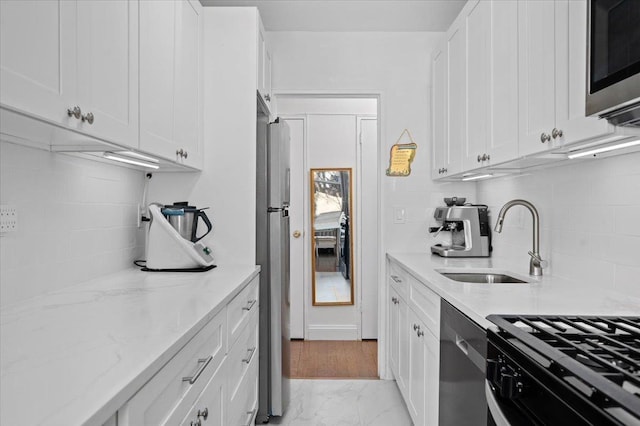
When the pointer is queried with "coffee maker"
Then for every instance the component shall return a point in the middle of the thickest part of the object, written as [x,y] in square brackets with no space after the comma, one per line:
[469,228]
[172,241]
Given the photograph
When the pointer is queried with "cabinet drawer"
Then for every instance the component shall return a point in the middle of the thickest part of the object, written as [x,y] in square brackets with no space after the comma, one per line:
[243,406]
[210,408]
[166,398]
[240,309]
[426,305]
[397,278]
[242,354]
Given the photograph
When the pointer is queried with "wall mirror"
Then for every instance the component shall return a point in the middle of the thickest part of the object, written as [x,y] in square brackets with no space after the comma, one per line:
[332,242]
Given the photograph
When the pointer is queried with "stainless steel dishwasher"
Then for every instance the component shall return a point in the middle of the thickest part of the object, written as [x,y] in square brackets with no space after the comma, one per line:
[463,352]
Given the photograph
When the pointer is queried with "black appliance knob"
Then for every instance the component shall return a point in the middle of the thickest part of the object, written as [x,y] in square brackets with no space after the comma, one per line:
[493,369]
[510,386]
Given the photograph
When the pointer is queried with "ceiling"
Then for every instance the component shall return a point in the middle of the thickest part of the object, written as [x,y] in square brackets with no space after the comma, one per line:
[352,15]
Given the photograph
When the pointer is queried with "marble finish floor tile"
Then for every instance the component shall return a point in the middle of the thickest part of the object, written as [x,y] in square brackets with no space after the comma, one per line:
[344,403]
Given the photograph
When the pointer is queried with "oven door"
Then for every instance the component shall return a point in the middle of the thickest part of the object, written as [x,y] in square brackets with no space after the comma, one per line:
[613,68]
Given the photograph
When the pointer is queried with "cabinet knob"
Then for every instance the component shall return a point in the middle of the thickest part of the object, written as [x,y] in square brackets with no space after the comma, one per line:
[88,118]
[556,133]
[180,153]
[444,170]
[74,112]
[197,422]
[267,97]
[204,413]
[420,333]
[479,158]
[415,327]
[545,138]
[185,154]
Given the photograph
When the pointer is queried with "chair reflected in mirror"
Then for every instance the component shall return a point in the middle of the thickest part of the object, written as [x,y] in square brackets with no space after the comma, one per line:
[331,194]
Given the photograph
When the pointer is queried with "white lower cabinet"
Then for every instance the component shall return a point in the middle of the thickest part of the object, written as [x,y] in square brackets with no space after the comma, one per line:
[210,381]
[414,348]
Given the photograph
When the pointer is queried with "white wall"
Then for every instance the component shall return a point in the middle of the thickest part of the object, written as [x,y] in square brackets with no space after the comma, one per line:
[76,220]
[589,218]
[227,183]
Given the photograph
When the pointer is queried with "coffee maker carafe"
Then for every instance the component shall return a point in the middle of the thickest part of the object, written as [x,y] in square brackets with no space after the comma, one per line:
[469,229]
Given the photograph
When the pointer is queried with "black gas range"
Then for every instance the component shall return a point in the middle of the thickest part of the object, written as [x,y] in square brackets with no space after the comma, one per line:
[563,370]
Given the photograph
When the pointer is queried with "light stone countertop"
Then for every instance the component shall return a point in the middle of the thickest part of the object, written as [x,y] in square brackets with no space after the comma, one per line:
[76,355]
[547,295]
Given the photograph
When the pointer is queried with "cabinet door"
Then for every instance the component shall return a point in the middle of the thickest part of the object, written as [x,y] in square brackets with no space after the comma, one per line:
[536,56]
[157,76]
[38,57]
[394,331]
[478,103]
[416,401]
[457,98]
[211,402]
[403,348]
[108,69]
[502,143]
[431,359]
[439,112]
[263,66]
[571,75]
[188,87]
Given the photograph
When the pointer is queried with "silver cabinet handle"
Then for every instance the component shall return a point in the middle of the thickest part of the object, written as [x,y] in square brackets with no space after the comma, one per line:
[556,133]
[203,364]
[396,278]
[250,414]
[88,118]
[545,138]
[267,97]
[204,413]
[197,422]
[251,352]
[444,170]
[484,157]
[420,332]
[185,154]
[415,327]
[74,112]
[250,304]
[479,158]
[179,152]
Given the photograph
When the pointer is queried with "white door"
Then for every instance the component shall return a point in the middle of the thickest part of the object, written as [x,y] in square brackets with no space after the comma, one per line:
[297,215]
[368,243]
[38,57]
[108,69]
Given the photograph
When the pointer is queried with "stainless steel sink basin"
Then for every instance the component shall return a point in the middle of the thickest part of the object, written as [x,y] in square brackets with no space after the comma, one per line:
[482,278]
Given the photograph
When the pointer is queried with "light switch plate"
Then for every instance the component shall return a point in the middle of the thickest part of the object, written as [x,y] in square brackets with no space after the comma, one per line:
[8,218]
[399,215]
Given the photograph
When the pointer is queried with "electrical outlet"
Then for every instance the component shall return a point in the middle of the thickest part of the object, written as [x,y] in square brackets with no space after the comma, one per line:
[399,215]
[8,218]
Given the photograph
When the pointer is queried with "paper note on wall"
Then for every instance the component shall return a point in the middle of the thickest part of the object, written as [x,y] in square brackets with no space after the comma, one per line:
[401,157]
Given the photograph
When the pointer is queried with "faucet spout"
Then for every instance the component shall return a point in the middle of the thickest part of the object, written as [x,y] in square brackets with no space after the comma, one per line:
[536,263]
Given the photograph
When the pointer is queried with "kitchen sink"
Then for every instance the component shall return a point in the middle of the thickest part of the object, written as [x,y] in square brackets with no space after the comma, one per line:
[482,278]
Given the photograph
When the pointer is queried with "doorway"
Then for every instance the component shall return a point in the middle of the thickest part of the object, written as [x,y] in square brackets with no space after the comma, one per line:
[334,132]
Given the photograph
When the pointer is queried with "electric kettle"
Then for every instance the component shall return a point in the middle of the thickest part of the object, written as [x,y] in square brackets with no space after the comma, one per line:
[184,219]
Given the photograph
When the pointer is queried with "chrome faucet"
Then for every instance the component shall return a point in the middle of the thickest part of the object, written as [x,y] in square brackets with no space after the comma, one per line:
[536,263]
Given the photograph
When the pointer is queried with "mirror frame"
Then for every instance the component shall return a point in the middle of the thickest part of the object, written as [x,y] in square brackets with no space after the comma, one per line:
[312,233]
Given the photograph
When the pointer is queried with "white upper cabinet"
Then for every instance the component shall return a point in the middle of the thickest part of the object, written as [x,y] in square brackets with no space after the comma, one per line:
[108,69]
[170,80]
[457,97]
[73,56]
[439,112]
[492,84]
[264,66]
[38,57]
[552,77]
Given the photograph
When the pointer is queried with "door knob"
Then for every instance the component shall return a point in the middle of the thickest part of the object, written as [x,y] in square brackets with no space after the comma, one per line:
[296,234]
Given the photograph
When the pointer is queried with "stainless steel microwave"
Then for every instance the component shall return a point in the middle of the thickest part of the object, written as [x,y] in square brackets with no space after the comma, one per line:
[613,61]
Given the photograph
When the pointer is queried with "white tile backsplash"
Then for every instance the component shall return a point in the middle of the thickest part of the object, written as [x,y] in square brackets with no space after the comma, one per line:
[77,220]
[589,218]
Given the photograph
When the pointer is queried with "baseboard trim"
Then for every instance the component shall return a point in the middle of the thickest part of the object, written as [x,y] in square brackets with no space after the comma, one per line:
[332,332]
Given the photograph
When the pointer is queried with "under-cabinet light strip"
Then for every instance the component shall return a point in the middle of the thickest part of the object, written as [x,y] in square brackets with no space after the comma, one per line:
[602,149]
[476,177]
[134,161]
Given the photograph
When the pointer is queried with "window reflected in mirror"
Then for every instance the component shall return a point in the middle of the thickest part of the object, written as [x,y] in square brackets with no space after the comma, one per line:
[332,242]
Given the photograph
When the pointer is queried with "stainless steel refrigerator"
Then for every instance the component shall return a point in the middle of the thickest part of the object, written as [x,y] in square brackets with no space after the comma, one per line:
[272,254]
